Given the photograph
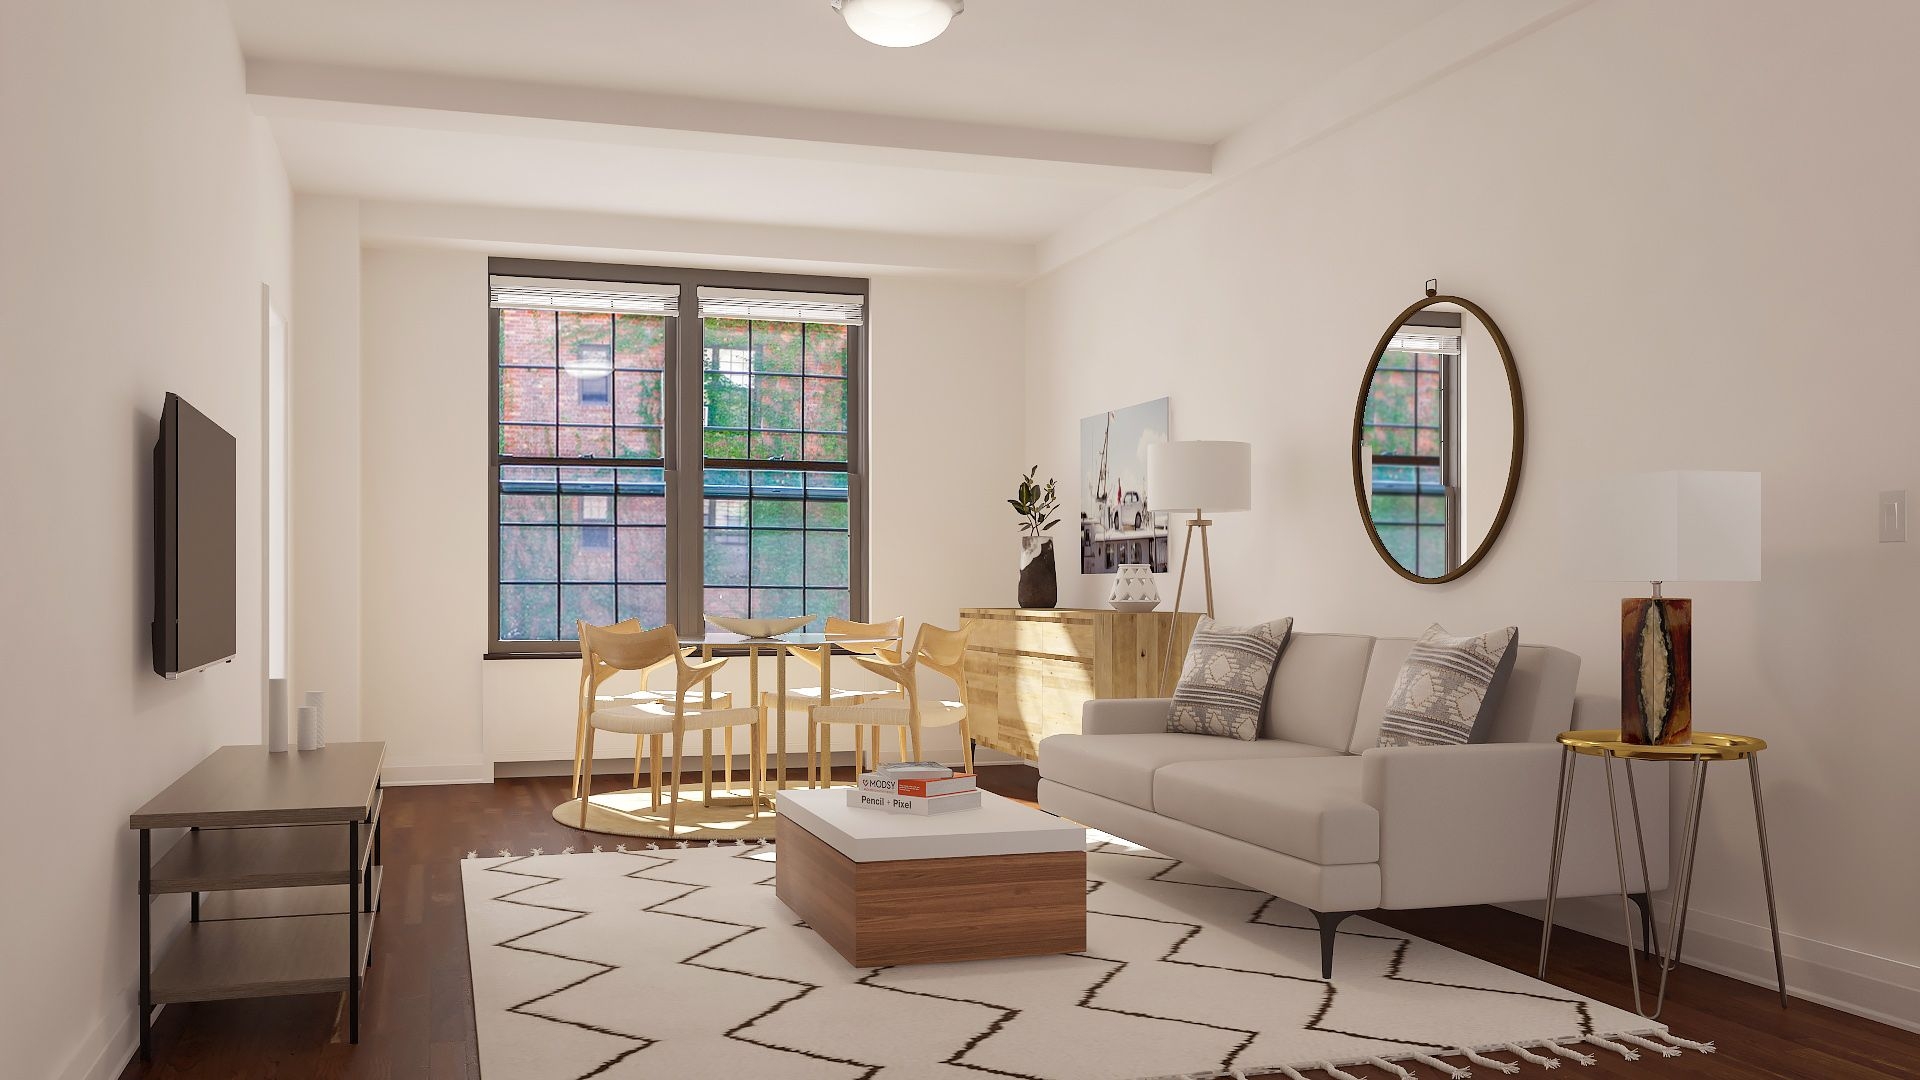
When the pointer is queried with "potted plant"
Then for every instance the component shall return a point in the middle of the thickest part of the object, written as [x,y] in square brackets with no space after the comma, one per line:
[1039,585]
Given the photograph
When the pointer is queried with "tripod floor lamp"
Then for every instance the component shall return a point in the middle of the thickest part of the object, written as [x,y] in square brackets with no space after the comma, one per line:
[1198,477]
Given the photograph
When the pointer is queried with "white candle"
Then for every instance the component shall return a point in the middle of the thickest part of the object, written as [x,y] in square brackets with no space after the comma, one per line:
[311,737]
[277,695]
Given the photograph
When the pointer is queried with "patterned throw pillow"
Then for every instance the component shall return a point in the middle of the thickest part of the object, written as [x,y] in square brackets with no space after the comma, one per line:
[1449,688]
[1223,687]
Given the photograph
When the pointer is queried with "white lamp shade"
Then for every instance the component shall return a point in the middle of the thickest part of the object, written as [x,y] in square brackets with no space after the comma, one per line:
[1204,475]
[1666,526]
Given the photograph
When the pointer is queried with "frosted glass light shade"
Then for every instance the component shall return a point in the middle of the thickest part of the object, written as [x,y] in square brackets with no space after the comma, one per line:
[1666,526]
[1208,475]
[898,24]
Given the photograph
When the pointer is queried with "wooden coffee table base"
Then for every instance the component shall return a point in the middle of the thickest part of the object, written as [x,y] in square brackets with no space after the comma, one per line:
[926,911]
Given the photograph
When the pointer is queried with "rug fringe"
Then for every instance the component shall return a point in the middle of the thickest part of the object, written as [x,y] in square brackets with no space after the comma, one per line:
[1622,1043]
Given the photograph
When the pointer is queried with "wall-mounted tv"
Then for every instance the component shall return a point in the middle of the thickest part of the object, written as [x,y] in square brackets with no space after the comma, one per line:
[194,537]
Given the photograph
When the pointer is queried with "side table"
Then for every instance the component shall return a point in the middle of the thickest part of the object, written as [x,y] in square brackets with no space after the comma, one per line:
[1704,748]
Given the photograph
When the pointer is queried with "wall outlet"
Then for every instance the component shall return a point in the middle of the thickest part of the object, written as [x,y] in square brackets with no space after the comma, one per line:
[1893,517]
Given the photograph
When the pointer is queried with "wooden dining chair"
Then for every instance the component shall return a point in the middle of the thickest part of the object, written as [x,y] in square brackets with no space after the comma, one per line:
[591,699]
[910,711]
[607,651]
[806,698]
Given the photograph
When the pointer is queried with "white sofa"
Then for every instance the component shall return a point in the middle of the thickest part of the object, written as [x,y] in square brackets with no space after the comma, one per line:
[1313,812]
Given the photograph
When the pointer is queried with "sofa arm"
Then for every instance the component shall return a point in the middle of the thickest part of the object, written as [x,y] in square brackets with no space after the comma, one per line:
[1125,716]
[1474,824]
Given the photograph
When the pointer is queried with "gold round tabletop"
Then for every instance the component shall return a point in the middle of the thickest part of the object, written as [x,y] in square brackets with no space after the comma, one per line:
[1704,746]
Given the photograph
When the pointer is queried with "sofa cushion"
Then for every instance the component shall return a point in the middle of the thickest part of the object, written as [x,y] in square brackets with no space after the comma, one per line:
[1316,689]
[1224,683]
[1310,808]
[1536,705]
[1449,688]
[1121,767]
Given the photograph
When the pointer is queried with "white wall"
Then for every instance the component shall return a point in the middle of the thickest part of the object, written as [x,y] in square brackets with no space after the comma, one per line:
[1719,185]
[946,362]
[141,217]
[325,512]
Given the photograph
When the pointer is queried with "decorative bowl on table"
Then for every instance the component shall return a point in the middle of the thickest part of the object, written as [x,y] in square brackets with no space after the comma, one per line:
[759,628]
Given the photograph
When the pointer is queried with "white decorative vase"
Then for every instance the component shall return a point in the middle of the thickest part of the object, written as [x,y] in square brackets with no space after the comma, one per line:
[277,695]
[313,729]
[1134,588]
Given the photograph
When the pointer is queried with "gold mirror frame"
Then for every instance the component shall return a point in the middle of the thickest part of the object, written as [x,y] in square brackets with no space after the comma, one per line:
[1513,464]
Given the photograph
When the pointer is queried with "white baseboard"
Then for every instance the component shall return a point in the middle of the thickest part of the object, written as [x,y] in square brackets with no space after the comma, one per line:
[1875,987]
[421,775]
[115,1050]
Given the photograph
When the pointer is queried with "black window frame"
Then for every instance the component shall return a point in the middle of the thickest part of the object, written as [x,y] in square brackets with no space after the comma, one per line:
[683,462]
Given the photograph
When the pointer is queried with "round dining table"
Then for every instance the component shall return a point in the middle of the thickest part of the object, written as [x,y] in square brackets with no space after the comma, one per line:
[780,645]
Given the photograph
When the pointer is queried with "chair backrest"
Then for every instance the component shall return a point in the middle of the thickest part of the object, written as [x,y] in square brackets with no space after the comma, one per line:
[893,629]
[944,651]
[887,651]
[605,650]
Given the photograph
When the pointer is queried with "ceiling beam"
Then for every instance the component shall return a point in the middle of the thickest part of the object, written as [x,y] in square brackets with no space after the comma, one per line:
[456,103]
[573,233]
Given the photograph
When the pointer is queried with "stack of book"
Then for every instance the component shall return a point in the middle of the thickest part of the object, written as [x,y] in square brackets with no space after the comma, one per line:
[915,787]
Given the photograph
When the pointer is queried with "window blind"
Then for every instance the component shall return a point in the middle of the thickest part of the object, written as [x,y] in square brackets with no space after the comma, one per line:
[555,294]
[718,303]
[1441,344]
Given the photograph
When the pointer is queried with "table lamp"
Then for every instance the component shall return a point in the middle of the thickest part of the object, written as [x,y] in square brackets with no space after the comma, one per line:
[1197,477]
[1662,527]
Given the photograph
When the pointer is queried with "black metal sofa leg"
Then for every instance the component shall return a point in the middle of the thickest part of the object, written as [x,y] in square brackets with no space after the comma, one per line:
[1329,923]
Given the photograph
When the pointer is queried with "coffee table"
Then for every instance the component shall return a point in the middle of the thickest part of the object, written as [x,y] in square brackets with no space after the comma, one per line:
[1003,880]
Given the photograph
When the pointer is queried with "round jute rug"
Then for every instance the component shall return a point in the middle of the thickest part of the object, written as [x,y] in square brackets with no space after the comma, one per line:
[632,813]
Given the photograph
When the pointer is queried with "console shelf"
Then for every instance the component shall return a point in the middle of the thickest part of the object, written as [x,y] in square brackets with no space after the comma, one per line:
[285,851]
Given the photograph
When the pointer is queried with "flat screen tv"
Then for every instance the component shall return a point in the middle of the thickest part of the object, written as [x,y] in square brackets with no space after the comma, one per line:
[194,531]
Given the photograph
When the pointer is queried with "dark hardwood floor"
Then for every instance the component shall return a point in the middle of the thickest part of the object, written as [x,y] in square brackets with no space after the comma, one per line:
[418,1020]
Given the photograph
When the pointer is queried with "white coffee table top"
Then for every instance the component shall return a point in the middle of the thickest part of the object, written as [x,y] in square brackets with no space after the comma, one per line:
[1000,827]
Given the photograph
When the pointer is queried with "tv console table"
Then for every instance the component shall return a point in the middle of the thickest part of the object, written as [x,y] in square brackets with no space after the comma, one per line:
[290,845]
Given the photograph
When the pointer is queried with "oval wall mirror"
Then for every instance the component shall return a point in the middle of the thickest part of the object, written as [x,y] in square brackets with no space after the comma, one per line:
[1437,439]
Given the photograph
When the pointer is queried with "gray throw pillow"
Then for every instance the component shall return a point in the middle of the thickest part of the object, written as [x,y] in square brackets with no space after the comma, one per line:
[1449,688]
[1223,687]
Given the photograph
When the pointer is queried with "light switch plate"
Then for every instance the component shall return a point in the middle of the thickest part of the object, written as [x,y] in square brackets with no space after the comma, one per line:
[1893,517]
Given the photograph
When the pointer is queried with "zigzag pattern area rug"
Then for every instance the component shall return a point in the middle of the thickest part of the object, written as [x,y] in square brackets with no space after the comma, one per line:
[681,963]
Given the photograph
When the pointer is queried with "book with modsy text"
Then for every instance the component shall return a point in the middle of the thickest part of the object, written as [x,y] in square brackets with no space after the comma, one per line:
[882,782]
[925,806]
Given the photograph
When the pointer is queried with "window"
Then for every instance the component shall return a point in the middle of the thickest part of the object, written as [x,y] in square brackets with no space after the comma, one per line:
[1409,424]
[600,397]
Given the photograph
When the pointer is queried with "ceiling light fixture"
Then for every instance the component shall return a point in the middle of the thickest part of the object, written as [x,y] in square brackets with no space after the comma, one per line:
[898,24]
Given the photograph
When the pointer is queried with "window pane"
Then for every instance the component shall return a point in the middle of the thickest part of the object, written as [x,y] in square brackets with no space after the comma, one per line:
[779,603]
[776,403]
[826,350]
[1400,543]
[726,556]
[586,442]
[776,446]
[828,602]
[1433,551]
[521,440]
[526,338]
[586,554]
[776,347]
[648,603]
[639,398]
[731,603]
[586,399]
[632,443]
[591,604]
[642,555]
[528,553]
[826,405]
[527,395]
[827,559]
[529,612]
[779,558]
[640,343]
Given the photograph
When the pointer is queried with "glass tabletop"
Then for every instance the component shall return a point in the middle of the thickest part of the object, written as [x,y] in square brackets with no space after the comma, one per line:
[718,638]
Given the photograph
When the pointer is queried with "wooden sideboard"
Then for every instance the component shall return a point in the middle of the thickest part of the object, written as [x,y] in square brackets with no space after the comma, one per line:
[1030,669]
